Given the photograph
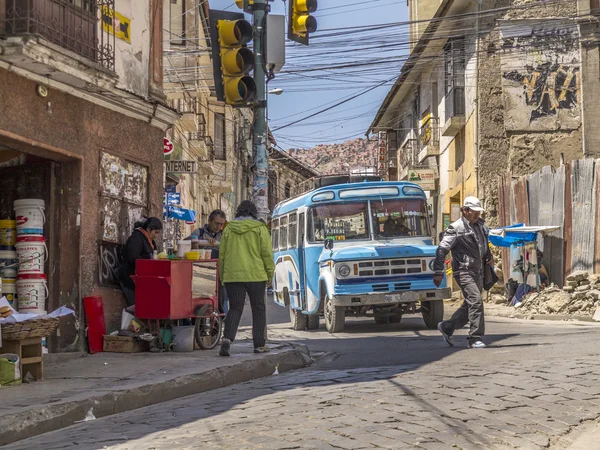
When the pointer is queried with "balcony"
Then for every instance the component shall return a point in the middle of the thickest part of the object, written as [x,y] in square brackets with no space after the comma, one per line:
[72,25]
[206,163]
[222,182]
[429,139]
[407,155]
[455,111]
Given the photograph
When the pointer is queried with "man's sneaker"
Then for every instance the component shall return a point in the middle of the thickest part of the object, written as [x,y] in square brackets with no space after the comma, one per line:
[476,344]
[263,349]
[448,339]
[225,346]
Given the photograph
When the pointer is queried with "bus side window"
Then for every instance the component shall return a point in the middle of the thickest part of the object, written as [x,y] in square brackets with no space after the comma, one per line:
[293,234]
[275,234]
[301,230]
[283,233]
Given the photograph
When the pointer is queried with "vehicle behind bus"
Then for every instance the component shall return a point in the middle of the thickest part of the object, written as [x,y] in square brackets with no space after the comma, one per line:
[356,250]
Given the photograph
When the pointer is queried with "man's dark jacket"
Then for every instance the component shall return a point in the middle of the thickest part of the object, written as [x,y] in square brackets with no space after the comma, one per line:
[466,257]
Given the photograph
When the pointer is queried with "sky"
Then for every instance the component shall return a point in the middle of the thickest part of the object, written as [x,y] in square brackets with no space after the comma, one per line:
[312,79]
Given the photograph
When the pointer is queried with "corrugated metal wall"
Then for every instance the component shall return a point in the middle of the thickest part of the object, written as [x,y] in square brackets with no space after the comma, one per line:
[566,196]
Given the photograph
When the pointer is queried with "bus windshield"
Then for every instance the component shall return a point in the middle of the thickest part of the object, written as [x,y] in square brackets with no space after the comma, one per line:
[339,222]
[400,218]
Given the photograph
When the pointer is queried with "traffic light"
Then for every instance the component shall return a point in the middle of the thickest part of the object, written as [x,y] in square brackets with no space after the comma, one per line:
[246,5]
[232,59]
[300,22]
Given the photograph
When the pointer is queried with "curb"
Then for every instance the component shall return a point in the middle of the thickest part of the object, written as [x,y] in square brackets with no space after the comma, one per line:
[490,312]
[43,419]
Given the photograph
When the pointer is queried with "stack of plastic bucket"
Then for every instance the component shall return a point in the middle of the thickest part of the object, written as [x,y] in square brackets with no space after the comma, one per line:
[8,260]
[32,289]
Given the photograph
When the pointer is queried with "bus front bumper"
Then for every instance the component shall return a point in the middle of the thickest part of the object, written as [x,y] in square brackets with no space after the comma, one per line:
[390,298]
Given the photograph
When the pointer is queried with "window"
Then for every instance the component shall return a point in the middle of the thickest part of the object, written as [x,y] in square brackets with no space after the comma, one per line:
[454,77]
[459,149]
[339,222]
[400,218]
[301,230]
[293,232]
[219,135]
[288,190]
[275,234]
[283,233]
[177,22]
[272,188]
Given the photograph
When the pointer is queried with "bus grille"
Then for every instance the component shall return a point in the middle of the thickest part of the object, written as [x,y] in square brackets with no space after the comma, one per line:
[383,268]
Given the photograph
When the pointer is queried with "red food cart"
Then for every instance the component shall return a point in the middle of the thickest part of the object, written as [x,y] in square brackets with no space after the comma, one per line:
[164,290]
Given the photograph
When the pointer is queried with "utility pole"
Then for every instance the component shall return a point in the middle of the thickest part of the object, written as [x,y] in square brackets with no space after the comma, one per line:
[260,135]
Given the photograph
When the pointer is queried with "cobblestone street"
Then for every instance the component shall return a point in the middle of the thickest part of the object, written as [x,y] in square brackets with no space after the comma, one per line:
[535,388]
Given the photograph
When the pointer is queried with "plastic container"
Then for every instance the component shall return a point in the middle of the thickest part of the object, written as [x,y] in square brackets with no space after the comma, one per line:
[193,256]
[32,292]
[96,328]
[183,247]
[207,254]
[9,290]
[32,254]
[183,339]
[8,232]
[8,258]
[30,216]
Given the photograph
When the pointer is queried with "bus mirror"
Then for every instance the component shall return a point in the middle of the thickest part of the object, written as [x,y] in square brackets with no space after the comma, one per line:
[328,244]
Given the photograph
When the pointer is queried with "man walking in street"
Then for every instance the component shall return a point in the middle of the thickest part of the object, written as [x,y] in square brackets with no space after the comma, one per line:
[468,240]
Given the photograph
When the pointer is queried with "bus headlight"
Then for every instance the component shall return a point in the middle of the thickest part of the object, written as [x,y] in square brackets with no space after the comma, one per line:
[431,265]
[343,270]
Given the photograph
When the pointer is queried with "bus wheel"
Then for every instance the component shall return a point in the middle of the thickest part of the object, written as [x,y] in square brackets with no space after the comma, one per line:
[313,322]
[433,313]
[297,319]
[382,320]
[334,317]
[396,318]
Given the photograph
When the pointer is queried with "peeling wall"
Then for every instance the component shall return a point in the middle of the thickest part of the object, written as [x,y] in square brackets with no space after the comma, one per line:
[132,60]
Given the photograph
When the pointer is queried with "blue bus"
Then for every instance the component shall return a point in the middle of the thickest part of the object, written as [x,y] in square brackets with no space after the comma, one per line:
[355,249]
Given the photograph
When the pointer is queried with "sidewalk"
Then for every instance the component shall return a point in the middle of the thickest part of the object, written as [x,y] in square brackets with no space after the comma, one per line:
[112,383]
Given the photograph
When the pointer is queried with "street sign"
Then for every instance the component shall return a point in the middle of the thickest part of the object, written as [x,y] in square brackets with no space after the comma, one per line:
[168,146]
[423,177]
[174,199]
[383,153]
[181,166]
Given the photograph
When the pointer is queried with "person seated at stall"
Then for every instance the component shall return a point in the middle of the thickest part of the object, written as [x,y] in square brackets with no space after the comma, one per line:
[140,245]
[389,227]
[525,288]
[211,232]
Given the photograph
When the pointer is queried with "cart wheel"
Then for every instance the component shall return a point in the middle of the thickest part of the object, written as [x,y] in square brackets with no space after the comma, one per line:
[208,331]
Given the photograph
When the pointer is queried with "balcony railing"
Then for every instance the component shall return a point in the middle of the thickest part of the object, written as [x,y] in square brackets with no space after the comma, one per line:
[71,24]
[430,133]
[409,153]
[455,103]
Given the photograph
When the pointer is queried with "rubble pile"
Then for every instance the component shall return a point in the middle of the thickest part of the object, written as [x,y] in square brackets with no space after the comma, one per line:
[581,296]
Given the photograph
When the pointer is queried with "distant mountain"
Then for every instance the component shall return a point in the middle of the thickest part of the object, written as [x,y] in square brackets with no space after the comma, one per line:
[338,158]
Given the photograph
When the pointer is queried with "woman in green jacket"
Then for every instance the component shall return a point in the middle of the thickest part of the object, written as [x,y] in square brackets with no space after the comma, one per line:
[245,267]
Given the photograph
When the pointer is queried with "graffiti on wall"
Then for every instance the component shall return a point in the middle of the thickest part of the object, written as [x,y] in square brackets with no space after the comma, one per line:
[548,88]
[541,77]
[109,261]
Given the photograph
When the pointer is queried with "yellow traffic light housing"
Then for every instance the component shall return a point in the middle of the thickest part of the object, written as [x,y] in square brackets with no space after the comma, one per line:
[232,60]
[300,22]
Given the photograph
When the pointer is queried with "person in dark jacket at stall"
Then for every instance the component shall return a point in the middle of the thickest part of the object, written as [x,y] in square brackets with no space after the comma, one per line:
[468,240]
[140,245]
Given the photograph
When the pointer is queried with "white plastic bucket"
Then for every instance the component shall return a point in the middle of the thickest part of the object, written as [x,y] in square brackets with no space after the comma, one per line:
[8,232]
[9,290]
[183,339]
[30,216]
[32,292]
[32,254]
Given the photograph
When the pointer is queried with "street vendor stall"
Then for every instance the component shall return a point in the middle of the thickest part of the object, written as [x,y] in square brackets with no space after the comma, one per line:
[179,290]
[522,237]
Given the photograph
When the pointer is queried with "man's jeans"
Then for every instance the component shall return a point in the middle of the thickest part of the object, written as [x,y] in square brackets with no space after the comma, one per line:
[471,311]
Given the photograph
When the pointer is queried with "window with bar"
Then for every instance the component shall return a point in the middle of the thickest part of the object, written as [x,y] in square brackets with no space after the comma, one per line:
[220,147]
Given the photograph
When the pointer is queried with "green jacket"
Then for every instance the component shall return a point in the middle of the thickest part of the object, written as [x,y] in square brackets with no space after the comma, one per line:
[245,253]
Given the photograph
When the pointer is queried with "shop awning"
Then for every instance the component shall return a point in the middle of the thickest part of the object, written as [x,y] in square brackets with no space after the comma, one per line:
[175,212]
[518,234]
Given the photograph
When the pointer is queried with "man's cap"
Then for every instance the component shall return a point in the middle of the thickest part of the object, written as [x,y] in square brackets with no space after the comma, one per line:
[473,203]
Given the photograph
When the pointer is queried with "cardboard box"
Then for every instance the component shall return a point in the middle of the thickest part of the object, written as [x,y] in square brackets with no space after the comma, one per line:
[124,344]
